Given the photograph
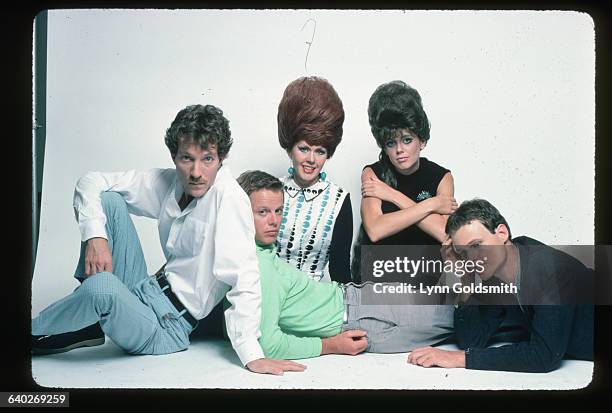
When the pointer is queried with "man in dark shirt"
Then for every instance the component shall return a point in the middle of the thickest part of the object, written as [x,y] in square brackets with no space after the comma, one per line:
[551,307]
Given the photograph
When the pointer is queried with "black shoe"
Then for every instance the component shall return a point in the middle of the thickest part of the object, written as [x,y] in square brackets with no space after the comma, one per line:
[59,343]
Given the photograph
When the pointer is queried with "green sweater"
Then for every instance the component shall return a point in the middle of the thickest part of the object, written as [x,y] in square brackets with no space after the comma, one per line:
[295,310]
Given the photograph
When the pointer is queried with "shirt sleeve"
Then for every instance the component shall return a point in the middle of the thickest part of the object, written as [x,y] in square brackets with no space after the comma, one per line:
[475,324]
[236,265]
[548,343]
[436,171]
[143,193]
[278,345]
[340,246]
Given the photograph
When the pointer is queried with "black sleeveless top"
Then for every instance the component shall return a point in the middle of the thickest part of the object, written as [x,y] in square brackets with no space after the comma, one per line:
[418,186]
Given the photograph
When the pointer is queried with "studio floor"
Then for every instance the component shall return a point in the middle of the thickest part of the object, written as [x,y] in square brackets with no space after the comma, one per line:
[212,364]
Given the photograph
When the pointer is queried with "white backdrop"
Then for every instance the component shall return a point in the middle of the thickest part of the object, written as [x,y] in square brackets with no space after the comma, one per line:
[510,96]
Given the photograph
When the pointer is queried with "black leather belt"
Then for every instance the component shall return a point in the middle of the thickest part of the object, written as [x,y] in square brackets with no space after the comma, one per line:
[163,282]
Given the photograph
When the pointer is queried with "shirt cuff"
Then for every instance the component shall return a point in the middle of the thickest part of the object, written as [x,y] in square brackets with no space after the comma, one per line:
[248,351]
[92,229]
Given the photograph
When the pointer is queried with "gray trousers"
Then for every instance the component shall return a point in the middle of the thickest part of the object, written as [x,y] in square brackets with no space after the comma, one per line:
[395,328]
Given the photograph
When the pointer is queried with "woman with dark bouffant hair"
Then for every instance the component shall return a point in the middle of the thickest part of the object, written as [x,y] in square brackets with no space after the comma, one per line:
[406,198]
[317,224]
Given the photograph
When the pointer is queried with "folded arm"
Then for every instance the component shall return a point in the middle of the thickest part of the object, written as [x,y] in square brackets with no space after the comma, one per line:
[279,345]
[429,214]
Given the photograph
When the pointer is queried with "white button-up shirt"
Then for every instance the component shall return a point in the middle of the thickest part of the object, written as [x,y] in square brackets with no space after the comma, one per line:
[209,246]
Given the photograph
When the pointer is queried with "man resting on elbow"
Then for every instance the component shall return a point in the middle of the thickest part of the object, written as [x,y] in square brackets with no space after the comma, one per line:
[551,300]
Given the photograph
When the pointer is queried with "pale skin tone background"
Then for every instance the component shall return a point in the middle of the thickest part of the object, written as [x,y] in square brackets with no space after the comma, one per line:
[267,208]
[197,169]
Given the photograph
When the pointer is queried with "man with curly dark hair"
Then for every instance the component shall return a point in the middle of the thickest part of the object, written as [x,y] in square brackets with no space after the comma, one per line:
[206,234]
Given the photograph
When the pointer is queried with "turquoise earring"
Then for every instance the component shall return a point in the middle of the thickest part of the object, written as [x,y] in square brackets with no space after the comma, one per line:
[322,176]
[291,171]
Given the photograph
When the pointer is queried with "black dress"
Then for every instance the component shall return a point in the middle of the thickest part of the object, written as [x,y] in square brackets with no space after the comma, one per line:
[418,186]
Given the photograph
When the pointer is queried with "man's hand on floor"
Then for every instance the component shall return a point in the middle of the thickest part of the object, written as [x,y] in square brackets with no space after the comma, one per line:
[429,357]
[276,367]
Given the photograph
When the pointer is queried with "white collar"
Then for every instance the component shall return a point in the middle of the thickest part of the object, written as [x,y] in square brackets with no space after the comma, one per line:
[293,189]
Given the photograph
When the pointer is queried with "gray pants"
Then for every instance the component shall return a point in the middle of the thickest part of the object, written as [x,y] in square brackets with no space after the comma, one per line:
[396,328]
